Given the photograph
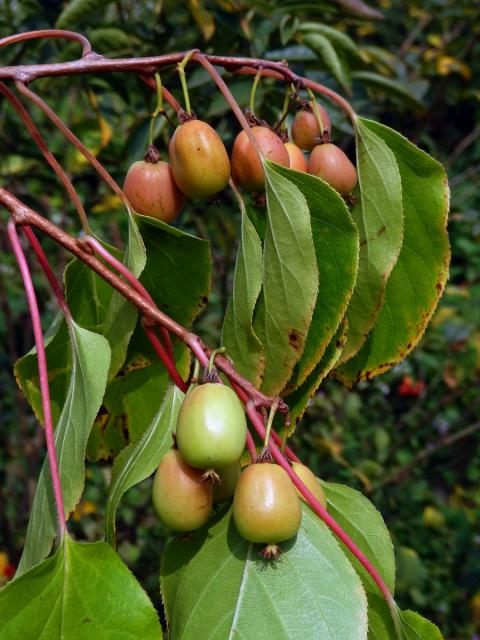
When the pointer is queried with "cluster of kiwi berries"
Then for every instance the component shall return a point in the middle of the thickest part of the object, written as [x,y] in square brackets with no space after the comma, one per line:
[204,470]
[199,166]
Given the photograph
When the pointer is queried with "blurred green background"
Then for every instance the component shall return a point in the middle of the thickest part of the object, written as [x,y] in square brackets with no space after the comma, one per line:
[409,439]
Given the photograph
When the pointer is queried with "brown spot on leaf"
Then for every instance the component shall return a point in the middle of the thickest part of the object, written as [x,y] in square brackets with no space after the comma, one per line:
[439,286]
[381,231]
[204,299]
[293,338]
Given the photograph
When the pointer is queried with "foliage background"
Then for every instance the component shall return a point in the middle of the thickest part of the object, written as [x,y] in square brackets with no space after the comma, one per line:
[408,439]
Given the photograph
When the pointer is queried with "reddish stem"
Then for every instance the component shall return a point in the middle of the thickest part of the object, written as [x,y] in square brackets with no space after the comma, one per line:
[128,275]
[43,260]
[42,373]
[49,157]
[251,447]
[162,354]
[49,33]
[318,508]
[71,137]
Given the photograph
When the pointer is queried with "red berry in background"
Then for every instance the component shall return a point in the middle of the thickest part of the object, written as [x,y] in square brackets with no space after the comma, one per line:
[329,162]
[247,169]
[410,388]
[151,189]
[306,129]
[297,159]
[199,160]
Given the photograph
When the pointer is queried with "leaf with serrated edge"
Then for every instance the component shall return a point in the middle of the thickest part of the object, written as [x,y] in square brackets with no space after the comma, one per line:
[172,257]
[415,627]
[364,524]
[84,591]
[335,239]
[224,587]
[298,400]
[139,460]
[419,275]
[290,280]
[90,364]
[238,335]
[379,217]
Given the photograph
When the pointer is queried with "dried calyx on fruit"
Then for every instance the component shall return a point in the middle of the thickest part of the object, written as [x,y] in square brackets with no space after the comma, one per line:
[329,162]
[211,428]
[247,168]
[199,160]
[306,129]
[181,498]
[266,506]
[151,189]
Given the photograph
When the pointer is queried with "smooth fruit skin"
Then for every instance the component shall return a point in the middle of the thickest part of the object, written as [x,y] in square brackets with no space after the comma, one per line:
[152,191]
[211,428]
[228,476]
[182,500]
[327,161]
[306,130]
[266,507]
[199,160]
[247,169]
[297,159]
[311,481]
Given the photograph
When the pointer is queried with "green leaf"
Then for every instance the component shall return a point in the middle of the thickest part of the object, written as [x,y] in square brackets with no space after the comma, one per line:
[364,524]
[290,280]
[419,275]
[379,217]
[218,587]
[335,239]
[108,40]
[139,460]
[415,627]
[337,37]
[178,270]
[57,351]
[238,335]
[389,87]
[78,10]
[90,363]
[299,399]
[82,592]
[332,59]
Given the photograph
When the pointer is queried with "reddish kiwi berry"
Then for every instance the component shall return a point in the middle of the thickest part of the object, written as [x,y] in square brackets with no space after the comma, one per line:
[152,191]
[306,128]
[297,159]
[199,160]
[211,428]
[227,482]
[266,507]
[247,168]
[311,481]
[182,500]
[327,161]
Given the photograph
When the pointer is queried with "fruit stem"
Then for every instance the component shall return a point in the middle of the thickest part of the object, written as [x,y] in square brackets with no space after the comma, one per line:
[43,260]
[316,111]
[42,374]
[253,90]
[49,157]
[271,415]
[318,508]
[251,447]
[183,79]
[211,361]
[158,108]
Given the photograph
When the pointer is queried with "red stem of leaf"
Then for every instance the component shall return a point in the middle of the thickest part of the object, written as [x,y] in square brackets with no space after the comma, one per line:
[43,260]
[42,372]
[280,459]
[167,361]
[49,33]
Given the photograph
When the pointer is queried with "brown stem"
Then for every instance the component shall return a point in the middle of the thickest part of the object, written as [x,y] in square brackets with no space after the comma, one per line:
[49,157]
[23,215]
[49,33]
